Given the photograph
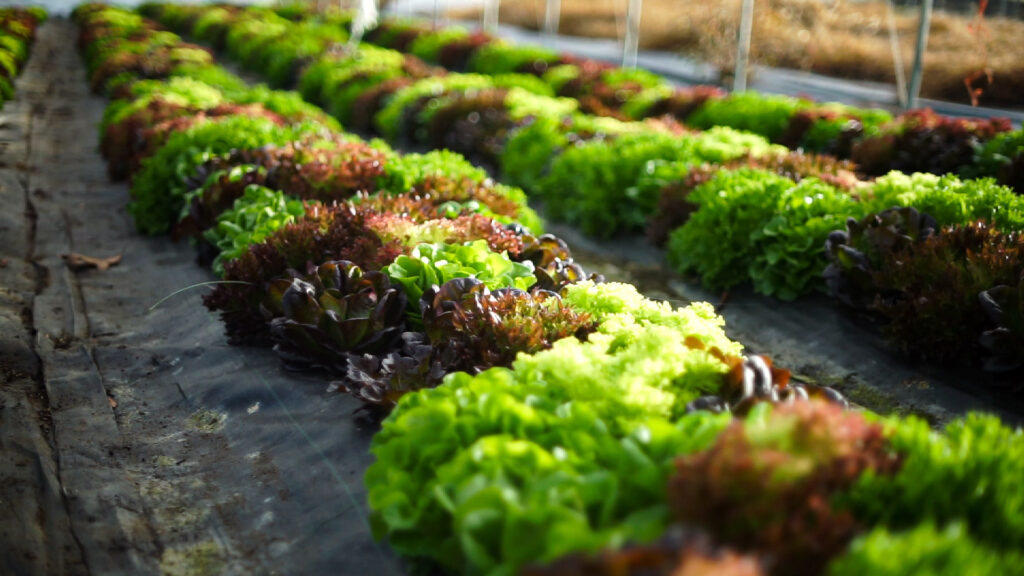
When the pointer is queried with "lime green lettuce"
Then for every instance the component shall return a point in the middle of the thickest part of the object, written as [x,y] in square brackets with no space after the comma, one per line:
[409,170]
[767,116]
[485,474]
[715,241]
[530,149]
[523,102]
[949,199]
[176,91]
[788,254]
[637,107]
[428,45]
[971,472]
[570,450]
[254,216]
[617,77]
[214,76]
[924,551]
[594,185]
[434,264]
[503,58]
[559,76]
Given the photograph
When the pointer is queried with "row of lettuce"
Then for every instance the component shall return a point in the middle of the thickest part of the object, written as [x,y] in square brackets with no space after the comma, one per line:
[728,206]
[595,449]
[17,31]
[916,141]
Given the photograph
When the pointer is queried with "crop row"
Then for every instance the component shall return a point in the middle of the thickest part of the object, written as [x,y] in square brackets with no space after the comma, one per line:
[588,452]
[915,141]
[17,31]
[728,206]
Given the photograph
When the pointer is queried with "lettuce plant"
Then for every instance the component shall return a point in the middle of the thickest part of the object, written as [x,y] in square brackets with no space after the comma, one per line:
[382,379]
[334,311]
[969,473]
[767,116]
[327,169]
[458,230]
[1004,344]
[930,290]
[593,185]
[765,484]
[485,474]
[925,550]
[255,215]
[434,264]
[950,200]
[923,141]
[715,242]
[504,58]
[397,117]
[479,329]
[677,103]
[159,187]
[789,260]
[324,234]
[855,254]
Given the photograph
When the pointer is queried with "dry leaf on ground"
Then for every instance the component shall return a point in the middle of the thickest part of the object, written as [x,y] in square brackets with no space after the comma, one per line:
[77,262]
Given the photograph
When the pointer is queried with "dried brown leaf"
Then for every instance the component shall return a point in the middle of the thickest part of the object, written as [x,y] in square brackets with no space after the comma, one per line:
[78,262]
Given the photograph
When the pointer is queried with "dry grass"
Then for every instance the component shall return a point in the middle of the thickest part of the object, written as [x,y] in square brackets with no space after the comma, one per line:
[840,38]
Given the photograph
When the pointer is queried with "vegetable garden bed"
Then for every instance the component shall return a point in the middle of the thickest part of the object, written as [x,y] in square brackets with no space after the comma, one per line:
[580,426]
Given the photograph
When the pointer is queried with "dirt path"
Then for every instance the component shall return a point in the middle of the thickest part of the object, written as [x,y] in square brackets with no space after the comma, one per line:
[168,452]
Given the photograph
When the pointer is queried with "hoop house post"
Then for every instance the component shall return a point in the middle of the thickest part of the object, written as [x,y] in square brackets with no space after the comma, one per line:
[552,13]
[739,81]
[923,25]
[490,17]
[631,46]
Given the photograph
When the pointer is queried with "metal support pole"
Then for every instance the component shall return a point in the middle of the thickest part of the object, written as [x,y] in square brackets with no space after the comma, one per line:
[631,46]
[490,17]
[552,12]
[922,43]
[897,57]
[367,12]
[739,81]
